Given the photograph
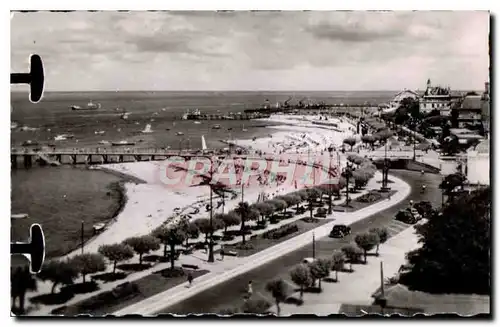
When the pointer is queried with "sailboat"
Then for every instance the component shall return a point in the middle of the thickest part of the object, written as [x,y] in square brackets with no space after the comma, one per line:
[203,144]
[147,129]
[243,129]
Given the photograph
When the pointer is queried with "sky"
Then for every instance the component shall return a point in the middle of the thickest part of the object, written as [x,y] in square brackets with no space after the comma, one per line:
[315,50]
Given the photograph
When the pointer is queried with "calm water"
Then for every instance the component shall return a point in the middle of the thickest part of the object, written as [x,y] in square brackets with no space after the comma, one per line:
[60,197]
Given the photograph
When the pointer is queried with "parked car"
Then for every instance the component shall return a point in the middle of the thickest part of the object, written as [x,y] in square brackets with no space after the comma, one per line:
[339,231]
[308,260]
[406,217]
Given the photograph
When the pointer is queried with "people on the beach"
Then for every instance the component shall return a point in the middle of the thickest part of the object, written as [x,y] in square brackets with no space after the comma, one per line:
[190,279]
[222,252]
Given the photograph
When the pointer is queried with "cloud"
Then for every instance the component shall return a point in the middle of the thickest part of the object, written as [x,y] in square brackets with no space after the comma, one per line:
[256,50]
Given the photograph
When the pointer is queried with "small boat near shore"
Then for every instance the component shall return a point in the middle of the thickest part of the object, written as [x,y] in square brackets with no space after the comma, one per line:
[63,137]
[19,216]
[216,126]
[89,106]
[123,142]
[147,129]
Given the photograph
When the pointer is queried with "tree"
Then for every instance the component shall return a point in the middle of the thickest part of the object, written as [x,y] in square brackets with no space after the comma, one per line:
[301,276]
[450,145]
[143,244]
[265,209]
[456,248]
[294,199]
[204,227]
[338,261]
[312,196]
[278,204]
[367,241]
[411,106]
[117,252]
[368,139]
[192,231]
[383,235]
[243,210]
[57,272]
[347,174]
[255,306]
[320,268]
[170,236]
[452,181]
[361,177]
[21,281]
[88,263]
[230,219]
[353,253]
[277,288]
[351,141]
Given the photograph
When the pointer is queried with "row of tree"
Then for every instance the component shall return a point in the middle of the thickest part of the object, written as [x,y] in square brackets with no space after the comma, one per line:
[305,275]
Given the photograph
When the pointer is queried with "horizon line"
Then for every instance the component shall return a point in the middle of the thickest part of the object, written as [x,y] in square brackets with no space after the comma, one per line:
[359,90]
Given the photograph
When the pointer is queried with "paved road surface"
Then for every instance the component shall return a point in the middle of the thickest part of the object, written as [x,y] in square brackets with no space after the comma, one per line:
[230,293]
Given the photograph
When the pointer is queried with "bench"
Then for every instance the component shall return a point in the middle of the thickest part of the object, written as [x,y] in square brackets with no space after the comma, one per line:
[231,253]
[194,267]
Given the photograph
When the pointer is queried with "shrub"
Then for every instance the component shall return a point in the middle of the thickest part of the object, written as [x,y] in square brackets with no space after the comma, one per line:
[281,232]
[369,197]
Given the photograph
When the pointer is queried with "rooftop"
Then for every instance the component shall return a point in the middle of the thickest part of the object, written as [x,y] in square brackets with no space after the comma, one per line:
[471,102]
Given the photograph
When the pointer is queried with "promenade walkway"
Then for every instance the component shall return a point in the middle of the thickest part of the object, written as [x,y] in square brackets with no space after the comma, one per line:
[356,287]
[237,266]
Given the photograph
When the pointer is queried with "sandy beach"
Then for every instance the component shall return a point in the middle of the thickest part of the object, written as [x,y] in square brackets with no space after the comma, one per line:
[152,203]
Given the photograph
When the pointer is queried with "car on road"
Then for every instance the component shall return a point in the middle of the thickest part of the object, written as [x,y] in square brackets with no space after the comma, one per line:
[339,231]
[407,217]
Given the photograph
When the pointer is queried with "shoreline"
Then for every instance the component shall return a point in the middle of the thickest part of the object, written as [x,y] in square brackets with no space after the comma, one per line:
[142,197]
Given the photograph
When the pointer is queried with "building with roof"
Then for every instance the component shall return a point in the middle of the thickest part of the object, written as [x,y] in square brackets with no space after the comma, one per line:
[470,112]
[396,101]
[478,163]
[485,108]
[436,98]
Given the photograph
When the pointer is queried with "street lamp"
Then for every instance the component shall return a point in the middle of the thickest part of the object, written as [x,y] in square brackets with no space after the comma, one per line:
[314,247]
[211,241]
[82,236]
[330,149]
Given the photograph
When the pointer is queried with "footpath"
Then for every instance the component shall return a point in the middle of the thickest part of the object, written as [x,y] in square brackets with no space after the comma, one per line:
[358,286]
[221,272]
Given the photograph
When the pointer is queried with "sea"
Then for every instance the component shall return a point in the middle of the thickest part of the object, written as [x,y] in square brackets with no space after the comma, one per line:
[60,197]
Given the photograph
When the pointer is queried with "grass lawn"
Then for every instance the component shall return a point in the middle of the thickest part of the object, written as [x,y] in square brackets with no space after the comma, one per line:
[259,243]
[355,204]
[130,293]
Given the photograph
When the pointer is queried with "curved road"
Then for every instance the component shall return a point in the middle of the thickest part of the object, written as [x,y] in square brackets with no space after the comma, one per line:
[230,293]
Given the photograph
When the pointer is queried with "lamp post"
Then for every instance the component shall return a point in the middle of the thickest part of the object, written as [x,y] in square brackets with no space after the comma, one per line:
[330,149]
[211,241]
[82,236]
[314,246]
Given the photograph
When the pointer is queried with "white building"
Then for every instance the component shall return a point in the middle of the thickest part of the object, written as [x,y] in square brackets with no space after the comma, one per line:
[478,164]
[436,98]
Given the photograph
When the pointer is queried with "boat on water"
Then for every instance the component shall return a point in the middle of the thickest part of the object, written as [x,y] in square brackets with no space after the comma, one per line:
[180,133]
[13,125]
[197,122]
[123,142]
[243,129]
[147,129]
[30,143]
[19,216]
[99,132]
[63,137]
[89,106]
[216,126]
[203,144]
[192,115]
[124,116]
